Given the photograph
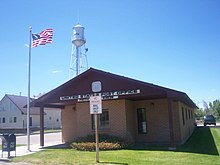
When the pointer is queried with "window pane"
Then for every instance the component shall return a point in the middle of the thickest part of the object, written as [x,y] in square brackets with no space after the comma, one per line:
[189,113]
[142,122]
[183,116]
[186,114]
[103,120]
[3,120]
[15,119]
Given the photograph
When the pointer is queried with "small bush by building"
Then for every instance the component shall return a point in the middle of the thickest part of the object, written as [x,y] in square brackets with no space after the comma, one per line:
[106,142]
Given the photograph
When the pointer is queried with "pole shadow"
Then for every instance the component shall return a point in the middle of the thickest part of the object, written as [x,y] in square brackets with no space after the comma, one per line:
[112,163]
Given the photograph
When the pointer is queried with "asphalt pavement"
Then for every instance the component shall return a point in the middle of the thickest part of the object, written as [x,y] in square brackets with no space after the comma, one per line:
[55,137]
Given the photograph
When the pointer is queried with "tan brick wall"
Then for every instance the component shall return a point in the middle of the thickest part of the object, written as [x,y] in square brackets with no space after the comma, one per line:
[189,126]
[80,120]
[123,121]
[176,122]
[83,119]
[130,120]
[69,125]
[117,117]
[157,121]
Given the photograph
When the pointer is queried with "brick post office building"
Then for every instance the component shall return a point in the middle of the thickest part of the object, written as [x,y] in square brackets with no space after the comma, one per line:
[131,109]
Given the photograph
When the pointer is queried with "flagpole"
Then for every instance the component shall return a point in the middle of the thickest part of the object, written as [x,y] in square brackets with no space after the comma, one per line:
[28,99]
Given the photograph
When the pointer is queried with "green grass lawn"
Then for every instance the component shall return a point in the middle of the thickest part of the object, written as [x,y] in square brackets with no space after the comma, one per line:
[202,148]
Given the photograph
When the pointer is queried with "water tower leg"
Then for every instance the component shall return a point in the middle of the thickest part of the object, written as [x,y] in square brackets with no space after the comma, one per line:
[77,61]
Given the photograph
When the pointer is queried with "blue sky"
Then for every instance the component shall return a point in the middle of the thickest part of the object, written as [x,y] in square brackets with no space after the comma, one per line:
[175,44]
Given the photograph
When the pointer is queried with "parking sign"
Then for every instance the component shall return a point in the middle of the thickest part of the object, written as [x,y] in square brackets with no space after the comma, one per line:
[95,104]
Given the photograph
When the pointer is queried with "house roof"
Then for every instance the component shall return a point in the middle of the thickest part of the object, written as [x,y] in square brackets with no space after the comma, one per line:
[113,86]
[20,102]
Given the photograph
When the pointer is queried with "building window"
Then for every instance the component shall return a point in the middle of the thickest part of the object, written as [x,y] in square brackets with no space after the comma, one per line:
[189,114]
[15,119]
[30,121]
[103,120]
[186,114]
[3,120]
[183,116]
[142,121]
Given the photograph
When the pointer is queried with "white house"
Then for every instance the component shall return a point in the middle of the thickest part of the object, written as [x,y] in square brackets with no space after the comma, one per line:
[13,115]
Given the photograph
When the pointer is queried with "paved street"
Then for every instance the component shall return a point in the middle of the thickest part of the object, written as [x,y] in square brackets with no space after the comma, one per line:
[35,139]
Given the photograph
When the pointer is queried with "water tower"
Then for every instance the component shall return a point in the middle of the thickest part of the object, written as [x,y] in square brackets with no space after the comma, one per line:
[78,62]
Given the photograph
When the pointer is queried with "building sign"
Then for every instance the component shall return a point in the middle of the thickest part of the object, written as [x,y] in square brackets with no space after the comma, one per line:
[95,104]
[104,95]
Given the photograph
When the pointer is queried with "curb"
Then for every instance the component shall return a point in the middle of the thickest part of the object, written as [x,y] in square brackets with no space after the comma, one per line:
[35,133]
[5,159]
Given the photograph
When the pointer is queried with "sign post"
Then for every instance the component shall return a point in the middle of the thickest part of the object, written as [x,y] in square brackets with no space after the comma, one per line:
[96,138]
[95,109]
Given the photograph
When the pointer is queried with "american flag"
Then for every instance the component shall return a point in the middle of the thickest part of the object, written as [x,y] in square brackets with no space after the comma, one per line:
[43,38]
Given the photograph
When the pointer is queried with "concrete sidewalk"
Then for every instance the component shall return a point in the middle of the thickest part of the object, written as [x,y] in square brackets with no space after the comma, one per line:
[23,150]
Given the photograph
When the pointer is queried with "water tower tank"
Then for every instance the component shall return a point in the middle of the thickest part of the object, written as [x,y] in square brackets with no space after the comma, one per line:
[78,35]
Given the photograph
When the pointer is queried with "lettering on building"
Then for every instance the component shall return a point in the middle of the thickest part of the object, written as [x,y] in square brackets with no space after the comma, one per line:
[105,95]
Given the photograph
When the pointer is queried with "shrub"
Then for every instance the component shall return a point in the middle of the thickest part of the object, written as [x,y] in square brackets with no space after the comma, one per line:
[106,142]
[91,146]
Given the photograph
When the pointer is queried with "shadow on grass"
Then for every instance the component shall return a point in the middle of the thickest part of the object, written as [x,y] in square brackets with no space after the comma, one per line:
[65,146]
[58,146]
[201,142]
[112,163]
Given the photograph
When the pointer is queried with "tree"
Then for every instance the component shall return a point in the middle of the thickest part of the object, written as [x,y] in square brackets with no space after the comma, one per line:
[206,107]
[215,107]
[199,113]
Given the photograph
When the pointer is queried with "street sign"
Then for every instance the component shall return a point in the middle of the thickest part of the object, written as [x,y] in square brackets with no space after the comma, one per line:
[95,104]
